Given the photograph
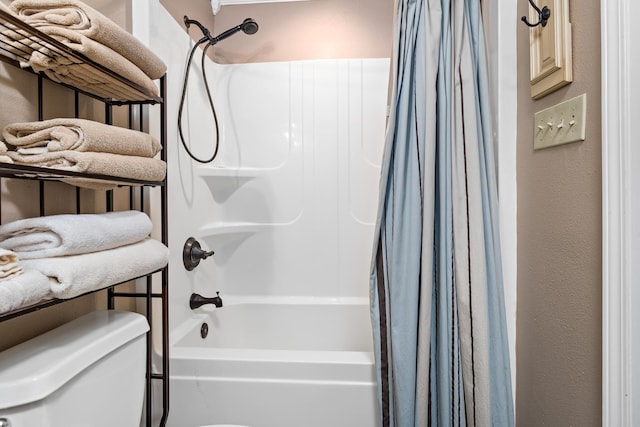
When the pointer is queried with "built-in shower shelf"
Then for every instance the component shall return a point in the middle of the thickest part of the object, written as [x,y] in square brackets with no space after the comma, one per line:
[224,181]
[235,230]
[220,173]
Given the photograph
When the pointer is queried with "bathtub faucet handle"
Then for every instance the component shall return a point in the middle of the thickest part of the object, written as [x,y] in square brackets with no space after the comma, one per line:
[203,254]
[192,254]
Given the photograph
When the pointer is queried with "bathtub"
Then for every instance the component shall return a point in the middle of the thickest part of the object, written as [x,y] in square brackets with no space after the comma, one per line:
[274,363]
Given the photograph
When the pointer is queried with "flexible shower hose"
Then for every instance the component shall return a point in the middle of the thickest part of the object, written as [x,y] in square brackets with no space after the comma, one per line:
[184,94]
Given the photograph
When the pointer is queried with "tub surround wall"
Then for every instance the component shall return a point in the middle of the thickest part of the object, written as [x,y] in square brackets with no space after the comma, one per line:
[289,204]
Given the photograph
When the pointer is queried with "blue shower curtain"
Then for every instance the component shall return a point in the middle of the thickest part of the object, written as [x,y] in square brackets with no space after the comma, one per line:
[437,303]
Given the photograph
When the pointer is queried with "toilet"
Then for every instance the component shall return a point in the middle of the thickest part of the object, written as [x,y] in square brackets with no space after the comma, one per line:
[88,372]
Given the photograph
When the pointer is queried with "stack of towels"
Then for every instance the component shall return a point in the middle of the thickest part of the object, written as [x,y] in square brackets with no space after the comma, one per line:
[90,33]
[63,256]
[84,146]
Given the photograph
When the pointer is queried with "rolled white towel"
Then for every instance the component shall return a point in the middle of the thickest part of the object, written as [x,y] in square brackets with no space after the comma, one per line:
[9,266]
[74,275]
[23,290]
[59,235]
[3,151]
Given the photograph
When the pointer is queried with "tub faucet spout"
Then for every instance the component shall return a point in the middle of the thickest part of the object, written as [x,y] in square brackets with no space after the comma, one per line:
[198,300]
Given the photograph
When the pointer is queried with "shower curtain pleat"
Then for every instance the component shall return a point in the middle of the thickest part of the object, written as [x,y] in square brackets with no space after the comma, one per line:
[437,303]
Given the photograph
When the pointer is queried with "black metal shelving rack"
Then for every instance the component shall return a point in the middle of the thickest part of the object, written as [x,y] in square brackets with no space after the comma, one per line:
[16,53]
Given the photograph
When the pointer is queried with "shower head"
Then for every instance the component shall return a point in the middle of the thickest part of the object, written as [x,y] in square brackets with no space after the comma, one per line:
[248,26]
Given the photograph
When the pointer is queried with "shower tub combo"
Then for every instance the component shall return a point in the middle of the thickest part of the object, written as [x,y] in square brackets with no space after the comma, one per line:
[288,206]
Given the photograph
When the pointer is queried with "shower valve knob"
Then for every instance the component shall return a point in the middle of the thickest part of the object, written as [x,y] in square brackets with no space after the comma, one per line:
[192,254]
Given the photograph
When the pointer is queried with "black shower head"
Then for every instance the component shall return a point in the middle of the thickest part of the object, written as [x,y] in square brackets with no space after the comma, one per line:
[248,26]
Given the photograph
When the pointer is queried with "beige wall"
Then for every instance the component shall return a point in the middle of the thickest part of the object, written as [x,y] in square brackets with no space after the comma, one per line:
[559,246]
[559,200]
[20,198]
[296,30]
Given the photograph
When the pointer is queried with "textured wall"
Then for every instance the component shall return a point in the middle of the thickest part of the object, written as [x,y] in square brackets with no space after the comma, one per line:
[559,246]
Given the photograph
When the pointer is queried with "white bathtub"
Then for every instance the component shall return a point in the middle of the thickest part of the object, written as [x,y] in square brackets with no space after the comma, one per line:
[275,363]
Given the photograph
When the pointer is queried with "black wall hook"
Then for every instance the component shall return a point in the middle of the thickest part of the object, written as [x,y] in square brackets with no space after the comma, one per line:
[543,16]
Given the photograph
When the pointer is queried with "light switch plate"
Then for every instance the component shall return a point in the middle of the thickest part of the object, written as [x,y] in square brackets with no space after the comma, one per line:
[561,124]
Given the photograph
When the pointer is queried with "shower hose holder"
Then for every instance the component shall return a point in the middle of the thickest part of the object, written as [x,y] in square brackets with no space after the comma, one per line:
[192,254]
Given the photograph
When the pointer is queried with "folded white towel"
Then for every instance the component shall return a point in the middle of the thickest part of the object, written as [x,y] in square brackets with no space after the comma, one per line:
[9,267]
[74,275]
[23,290]
[58,235]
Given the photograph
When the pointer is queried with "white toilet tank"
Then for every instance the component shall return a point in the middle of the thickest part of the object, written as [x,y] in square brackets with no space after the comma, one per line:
[89,372]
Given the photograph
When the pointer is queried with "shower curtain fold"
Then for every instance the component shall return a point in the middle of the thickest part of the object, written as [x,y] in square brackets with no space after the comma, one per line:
[436,287]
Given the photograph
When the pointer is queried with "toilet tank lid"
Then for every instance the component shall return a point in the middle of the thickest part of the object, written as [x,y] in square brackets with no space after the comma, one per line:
[36,368]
